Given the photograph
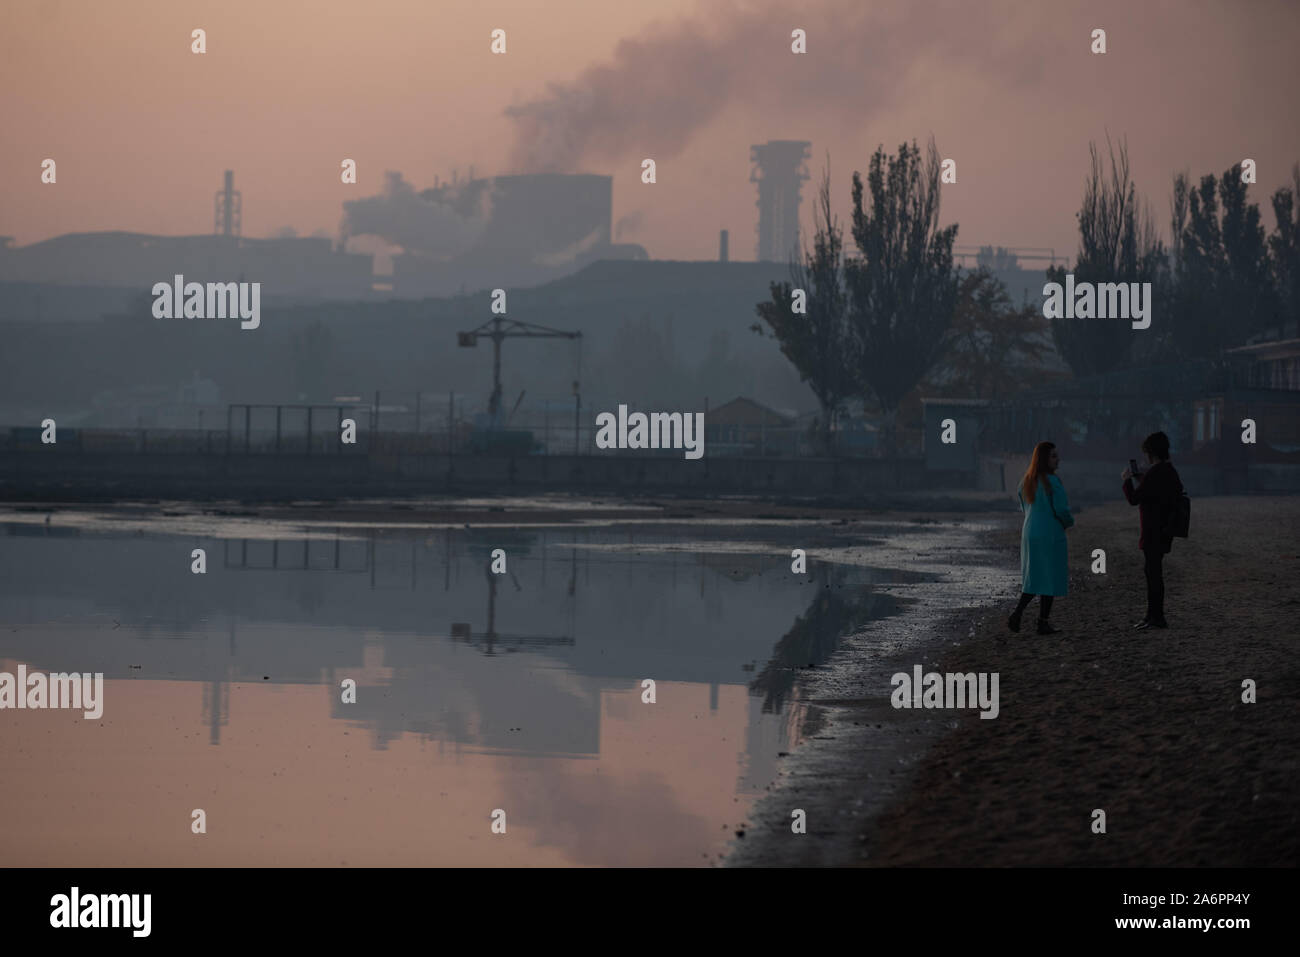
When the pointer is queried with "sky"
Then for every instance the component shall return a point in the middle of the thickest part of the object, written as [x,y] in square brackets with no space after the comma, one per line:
[141,128]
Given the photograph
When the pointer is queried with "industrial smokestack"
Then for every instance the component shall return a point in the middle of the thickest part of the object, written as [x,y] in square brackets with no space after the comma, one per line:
[227,207]
[229,191]
[781,164]
[722,246]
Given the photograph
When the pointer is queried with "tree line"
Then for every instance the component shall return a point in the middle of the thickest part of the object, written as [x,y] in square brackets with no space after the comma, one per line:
[1222,282]
[872,323]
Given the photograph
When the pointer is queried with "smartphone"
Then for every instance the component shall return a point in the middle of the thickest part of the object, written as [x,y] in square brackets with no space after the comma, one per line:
[1133,467]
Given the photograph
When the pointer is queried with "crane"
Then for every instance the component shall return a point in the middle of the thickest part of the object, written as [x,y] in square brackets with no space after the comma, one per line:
[498,329]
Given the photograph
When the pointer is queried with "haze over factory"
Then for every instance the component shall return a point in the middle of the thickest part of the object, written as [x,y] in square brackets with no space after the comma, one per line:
[455,237]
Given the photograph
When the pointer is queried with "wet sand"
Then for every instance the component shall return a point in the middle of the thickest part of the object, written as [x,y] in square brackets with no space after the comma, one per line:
[1148,726]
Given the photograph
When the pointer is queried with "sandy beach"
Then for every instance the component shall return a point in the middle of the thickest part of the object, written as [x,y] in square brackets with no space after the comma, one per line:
[1148,726]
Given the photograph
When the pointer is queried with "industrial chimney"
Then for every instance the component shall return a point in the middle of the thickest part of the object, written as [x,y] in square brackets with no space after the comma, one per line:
[781,164]
[722,246]
[227,208]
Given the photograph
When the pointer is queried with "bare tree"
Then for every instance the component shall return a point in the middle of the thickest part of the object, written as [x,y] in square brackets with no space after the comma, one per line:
[1117,243]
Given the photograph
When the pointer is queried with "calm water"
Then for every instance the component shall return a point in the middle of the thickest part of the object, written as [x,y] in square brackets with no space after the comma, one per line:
[474,692]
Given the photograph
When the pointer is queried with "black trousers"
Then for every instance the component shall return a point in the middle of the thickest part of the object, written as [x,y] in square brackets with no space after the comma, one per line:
[1155,572]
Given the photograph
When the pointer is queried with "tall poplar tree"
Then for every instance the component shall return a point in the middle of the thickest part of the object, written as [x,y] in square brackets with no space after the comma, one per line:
[819,342]
[1117,243]
[902,284]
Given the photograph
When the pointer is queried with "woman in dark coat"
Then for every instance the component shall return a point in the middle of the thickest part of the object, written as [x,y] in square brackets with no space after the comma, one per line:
[1044,567]
[1156,494]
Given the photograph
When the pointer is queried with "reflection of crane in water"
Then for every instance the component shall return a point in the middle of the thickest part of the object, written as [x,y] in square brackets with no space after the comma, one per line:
[463,630]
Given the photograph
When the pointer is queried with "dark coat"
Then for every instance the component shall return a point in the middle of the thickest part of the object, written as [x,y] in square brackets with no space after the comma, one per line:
[1155,497]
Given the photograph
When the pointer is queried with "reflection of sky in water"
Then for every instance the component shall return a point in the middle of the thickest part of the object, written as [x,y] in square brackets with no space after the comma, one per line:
[475,691]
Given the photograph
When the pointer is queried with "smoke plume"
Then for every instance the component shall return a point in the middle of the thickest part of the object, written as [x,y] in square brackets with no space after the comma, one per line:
[441,229]
[664,85]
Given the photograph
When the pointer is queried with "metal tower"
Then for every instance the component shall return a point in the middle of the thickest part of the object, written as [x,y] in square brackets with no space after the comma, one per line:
[227,206]
[780,163]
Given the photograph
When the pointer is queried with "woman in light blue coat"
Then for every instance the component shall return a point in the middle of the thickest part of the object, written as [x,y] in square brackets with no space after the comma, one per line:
[1044,566]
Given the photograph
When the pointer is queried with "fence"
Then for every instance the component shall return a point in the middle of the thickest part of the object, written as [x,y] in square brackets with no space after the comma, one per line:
[1105,412]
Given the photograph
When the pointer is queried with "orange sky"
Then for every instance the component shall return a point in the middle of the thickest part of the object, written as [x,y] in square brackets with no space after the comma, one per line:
[141,128]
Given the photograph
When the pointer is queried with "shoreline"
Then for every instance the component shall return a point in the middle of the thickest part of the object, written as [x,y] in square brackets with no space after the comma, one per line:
[1147,726]
[861,756]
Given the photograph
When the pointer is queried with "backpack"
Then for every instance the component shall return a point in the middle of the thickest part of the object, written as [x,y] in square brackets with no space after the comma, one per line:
[1176,515]
[1180,516]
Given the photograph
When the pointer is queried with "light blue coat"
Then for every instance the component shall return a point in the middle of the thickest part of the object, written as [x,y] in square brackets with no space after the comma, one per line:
[1044,561]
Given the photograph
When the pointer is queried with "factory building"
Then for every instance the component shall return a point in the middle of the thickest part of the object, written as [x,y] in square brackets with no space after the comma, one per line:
[298,268]
[306,268]
[534,229]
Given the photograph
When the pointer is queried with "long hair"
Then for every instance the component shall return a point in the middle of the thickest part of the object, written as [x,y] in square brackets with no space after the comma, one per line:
[1037,470]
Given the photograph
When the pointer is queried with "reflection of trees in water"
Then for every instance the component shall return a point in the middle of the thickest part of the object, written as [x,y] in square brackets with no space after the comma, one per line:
[837,610]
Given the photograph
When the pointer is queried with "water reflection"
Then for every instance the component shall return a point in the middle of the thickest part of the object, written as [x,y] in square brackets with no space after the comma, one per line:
[530,669]
[815,634]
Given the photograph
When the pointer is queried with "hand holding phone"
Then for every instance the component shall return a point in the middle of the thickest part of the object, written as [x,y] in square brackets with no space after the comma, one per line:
[1133,468]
